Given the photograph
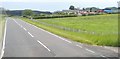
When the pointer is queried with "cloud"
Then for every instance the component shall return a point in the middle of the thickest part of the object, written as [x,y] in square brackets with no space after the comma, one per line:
[51,5]
[59,0]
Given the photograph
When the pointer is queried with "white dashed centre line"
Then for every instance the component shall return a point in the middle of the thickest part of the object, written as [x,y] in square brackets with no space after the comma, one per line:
[25,29]
[30,34]
[90,50]
[43,45]
[17,22]
[49,33]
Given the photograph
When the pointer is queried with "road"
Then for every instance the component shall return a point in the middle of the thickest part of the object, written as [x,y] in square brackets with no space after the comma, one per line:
[25,40]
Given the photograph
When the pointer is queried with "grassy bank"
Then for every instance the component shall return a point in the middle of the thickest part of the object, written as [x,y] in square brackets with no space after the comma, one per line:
[95,30]
[2,24]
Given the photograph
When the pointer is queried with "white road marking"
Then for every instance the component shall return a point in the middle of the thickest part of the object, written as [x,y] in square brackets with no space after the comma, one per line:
[56,35]
[25,29]
[110,48]
[17,23]
[48,32]
[43,45]
[3,43]
[53,34]
[102,55]
[79,46]
[21,26]
[90,50]
[61,38]
[30,34]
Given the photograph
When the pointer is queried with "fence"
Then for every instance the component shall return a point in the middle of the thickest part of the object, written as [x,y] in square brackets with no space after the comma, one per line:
[74,30]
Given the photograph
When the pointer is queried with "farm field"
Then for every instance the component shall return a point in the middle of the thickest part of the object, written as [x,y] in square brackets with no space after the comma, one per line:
[95,30]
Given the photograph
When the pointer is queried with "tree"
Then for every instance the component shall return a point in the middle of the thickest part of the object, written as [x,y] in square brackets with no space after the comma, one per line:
[83,9]
[90,9]
[72,7]
[27,12]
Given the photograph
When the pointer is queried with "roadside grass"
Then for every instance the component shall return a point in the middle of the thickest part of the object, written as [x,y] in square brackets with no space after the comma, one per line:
[106,24]
[2,23]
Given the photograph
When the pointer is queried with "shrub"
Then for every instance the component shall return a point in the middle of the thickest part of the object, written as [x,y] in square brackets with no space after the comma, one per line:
[55,16]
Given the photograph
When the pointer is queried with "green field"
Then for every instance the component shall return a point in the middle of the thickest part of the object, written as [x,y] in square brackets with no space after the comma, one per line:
[96,30]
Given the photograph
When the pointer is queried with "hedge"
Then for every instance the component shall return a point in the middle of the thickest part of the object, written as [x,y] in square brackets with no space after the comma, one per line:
[46,17]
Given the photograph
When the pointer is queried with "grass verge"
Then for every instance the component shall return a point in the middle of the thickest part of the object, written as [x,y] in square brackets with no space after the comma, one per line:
[2,24]
[99,39]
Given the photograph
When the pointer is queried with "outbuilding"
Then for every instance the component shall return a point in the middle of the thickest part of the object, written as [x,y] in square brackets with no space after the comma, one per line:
[108,11]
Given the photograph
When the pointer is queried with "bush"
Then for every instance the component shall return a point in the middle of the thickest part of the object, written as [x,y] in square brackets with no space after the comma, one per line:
[57,16]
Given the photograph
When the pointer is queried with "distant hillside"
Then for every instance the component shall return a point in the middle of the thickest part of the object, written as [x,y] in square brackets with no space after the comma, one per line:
[19,12]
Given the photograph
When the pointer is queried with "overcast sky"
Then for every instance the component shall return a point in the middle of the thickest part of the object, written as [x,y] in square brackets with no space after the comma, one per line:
[54,5]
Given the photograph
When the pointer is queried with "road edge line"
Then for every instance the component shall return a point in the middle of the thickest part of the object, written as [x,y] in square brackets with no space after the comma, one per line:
[79,46]
[48,32]
[3,42]
[90,50]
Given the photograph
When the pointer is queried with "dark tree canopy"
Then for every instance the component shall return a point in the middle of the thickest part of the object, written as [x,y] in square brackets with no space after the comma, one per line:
[27,12]
[118,7]
[90,9]
[83,8]
[71,7]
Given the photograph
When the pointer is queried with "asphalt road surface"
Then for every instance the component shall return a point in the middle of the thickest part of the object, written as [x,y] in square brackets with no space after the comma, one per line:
[25,40]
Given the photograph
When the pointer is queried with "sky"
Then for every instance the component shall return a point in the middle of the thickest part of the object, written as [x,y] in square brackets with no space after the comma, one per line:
[55,5]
